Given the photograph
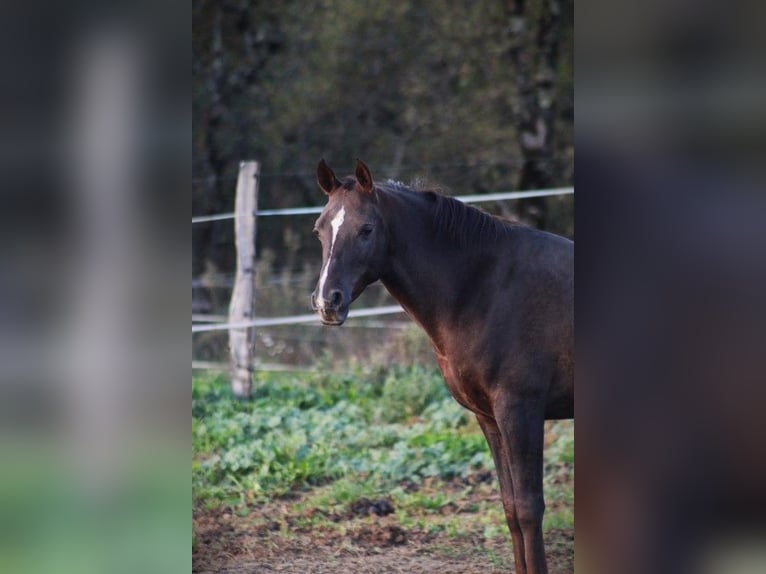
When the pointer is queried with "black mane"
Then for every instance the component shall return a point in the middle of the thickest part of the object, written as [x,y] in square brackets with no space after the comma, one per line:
[462,223]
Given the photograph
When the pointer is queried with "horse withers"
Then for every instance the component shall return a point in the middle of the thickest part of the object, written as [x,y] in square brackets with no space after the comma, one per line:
[495,298]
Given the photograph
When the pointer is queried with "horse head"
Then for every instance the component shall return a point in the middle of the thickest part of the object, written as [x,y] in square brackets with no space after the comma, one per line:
[354,243]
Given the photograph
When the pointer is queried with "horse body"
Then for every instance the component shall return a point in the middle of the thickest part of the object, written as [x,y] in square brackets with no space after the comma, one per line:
[496,301]
[492,313]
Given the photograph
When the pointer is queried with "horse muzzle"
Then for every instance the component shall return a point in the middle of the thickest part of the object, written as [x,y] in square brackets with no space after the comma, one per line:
[331,311]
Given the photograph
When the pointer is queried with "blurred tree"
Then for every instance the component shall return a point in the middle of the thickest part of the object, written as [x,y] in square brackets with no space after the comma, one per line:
[232,42]
[450,93]
[534,47]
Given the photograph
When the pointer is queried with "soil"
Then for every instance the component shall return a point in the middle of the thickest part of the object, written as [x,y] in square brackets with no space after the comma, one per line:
[366,538]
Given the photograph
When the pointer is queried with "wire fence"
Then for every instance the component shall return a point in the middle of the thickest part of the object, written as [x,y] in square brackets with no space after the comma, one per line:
[503,196]
[295,319]
[290,337]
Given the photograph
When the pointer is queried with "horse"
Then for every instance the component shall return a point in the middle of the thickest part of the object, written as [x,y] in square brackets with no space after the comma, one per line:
[496,300]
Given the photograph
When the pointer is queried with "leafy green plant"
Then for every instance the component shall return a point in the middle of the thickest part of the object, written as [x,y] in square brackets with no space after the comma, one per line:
[407,393]
[354,434]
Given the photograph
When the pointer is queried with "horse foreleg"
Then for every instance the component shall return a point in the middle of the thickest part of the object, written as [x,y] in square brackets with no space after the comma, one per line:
[503,468]
[521,428]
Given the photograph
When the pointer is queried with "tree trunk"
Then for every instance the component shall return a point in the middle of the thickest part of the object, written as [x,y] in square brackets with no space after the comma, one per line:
[535,63]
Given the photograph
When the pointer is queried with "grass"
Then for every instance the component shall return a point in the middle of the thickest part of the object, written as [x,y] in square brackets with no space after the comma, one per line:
[330,439]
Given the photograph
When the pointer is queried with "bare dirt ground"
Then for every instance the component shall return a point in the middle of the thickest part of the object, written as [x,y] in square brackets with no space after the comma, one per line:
[366,538]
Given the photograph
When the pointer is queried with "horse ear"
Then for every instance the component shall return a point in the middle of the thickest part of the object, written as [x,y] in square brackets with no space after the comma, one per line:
[326,178]
[363,176]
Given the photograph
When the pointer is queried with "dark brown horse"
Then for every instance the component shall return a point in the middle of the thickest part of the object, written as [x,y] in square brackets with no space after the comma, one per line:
[496,300]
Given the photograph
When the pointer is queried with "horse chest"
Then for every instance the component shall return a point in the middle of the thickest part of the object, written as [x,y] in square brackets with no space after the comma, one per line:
[465,385]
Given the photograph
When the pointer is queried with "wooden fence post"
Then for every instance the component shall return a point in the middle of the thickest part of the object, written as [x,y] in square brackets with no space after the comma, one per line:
[242,305]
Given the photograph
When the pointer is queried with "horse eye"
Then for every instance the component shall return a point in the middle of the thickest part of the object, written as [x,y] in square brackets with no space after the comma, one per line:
[365,230]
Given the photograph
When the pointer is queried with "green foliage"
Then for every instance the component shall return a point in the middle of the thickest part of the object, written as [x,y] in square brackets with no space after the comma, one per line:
[302,430]
[350,435]
[562,450]
[407,392]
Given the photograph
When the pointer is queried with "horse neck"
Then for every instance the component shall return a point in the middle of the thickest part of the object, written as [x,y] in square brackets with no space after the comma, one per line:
[425,272]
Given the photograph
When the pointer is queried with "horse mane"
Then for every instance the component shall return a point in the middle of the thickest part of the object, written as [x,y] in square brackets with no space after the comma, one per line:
[462,223]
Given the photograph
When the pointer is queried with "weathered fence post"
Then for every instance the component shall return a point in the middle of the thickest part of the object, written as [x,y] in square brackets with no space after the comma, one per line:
[242,306]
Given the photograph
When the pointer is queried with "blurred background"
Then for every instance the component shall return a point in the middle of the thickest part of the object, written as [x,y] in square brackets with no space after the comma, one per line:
[95,144]
[470,97]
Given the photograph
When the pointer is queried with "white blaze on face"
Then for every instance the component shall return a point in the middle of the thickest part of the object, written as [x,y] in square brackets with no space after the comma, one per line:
[336,222]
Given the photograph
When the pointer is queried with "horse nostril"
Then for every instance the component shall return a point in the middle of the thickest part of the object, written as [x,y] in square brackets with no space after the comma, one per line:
[314,300]
[335,299]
